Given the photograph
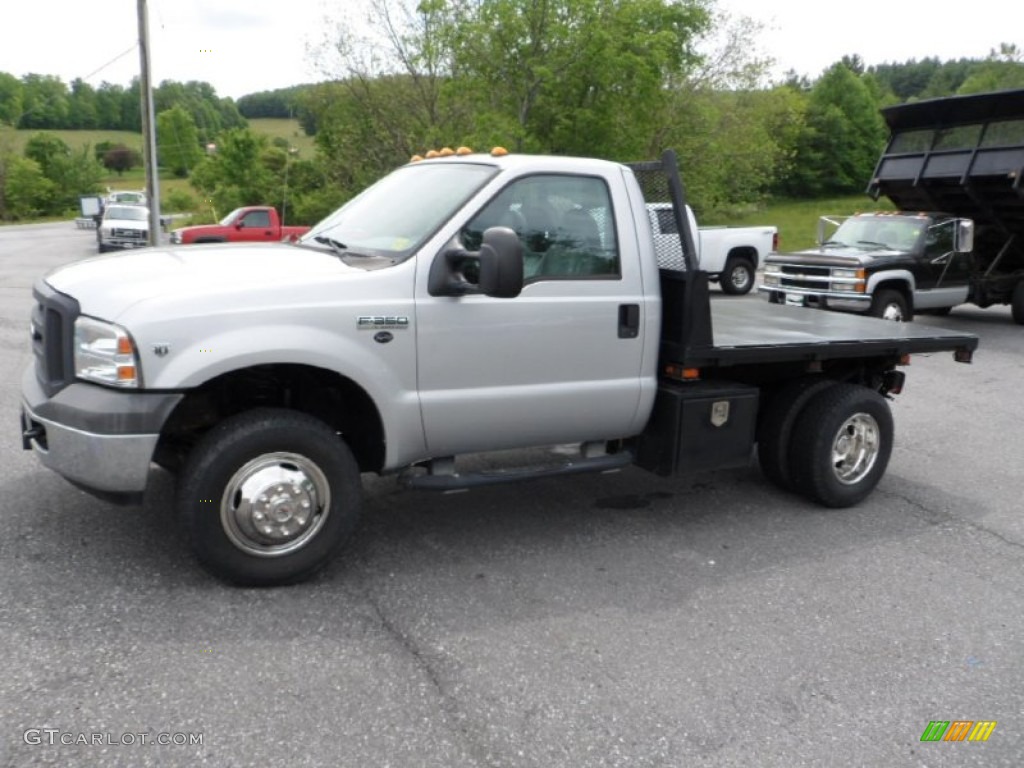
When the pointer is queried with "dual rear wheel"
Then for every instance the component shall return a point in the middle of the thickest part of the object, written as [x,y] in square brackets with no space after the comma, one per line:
[828,441]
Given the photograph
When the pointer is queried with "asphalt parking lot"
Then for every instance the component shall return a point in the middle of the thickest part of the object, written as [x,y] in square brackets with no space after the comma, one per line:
[624,620]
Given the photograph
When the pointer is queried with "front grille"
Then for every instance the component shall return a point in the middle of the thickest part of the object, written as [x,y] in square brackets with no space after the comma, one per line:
[804,276]
[129,234]
[53,328]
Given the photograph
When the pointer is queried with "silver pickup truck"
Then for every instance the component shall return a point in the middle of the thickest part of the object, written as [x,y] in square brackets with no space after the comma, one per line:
[463,304]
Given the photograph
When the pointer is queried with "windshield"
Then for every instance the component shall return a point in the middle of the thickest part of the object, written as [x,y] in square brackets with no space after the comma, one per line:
[395,215]
[893,233]
[227,219]
[126,212]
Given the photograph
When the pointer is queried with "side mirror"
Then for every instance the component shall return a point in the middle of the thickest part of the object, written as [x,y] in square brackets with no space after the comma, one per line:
[963,236]
[238,224]
[501,263]
[495,270]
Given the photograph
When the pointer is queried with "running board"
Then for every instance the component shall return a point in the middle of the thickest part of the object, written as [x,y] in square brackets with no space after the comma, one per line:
[461,482]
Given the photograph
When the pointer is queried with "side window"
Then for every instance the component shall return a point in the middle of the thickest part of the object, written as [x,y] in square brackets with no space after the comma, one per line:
[256,220]
[565,223]
[939,241]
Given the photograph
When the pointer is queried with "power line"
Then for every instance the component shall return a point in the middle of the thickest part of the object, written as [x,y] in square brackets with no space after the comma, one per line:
[121,55]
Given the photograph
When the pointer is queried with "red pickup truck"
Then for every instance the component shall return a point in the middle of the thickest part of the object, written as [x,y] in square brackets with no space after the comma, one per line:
[248,224]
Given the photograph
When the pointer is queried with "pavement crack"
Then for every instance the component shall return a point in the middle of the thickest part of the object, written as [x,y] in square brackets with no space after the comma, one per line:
[454,715]
[935,516]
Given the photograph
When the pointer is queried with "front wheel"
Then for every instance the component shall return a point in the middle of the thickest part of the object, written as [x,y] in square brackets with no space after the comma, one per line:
[738,277]
[890,304]
[841,445]
[268,497]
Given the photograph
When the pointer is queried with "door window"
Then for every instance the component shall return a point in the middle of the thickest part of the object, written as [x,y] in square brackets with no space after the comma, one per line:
[565,224]
[256,220]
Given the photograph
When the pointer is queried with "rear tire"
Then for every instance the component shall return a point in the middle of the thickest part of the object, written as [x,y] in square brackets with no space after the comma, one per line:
[1017,304]
[841,445]
[775,428]
[890,304]
[268,497]
[738,276]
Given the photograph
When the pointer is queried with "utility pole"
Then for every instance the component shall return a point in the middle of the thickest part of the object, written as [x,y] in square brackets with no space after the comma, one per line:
[148,127]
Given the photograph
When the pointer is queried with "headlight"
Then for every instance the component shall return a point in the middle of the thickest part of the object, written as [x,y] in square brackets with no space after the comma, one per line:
[771,280]
[105,353]
[848,273]
[175,237]
[848,280]
[772,269]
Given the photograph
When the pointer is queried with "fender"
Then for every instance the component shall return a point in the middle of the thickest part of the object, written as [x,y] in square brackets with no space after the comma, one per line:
[890,275]
[385,373]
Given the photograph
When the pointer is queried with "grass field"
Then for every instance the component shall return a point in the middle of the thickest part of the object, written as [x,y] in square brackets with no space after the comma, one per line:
[797,220]
[288,129]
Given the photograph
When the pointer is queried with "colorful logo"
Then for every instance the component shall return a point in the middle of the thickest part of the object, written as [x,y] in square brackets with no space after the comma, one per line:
[958,730]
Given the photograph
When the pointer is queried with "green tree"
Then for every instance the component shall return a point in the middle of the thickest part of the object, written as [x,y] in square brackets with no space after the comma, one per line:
[47,150]
[75,174]
[1002,70]
[24,191]
[44,102]
[10,99]
[839,144]
[177,141]
[235,174]
[82,105]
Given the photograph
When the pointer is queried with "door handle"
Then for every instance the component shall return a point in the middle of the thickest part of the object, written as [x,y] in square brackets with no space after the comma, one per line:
[629,321]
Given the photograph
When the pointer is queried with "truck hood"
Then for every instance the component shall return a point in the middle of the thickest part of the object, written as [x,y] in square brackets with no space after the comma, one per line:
[107,286]
[834,257]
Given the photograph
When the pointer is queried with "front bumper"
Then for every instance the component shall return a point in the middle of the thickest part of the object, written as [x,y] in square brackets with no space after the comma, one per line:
[101,440]
[844,302]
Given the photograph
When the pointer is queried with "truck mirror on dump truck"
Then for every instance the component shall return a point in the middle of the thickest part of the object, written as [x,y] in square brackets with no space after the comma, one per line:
[963,236]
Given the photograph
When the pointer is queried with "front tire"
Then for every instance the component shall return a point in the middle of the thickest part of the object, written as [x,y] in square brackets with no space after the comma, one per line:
[890,304]
[738,277]
[841,445]
[268,497]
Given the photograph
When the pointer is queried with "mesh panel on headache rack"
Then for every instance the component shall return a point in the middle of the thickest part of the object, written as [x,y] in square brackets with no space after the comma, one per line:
[667,241]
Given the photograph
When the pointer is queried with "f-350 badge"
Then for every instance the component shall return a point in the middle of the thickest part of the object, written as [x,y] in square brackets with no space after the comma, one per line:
[382,322]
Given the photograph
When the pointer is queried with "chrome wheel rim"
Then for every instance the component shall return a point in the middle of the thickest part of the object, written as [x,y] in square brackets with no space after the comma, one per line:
[856,448]
[275,504]
[740,278]
[893,312]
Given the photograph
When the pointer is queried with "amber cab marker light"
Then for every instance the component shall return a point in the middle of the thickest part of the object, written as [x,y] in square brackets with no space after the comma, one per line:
[498,151]
[432,154]
[463,151]
[416,159]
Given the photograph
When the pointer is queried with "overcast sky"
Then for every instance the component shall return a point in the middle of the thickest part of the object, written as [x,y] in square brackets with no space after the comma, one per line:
[243,46]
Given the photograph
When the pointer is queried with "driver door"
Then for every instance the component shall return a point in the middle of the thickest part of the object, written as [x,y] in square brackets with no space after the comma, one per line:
[555,364]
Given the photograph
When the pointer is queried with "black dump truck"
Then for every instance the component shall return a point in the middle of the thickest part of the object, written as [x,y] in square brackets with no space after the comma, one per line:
[954,168]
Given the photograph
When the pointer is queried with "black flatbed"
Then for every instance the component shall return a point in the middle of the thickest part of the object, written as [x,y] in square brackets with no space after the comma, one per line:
[752,331]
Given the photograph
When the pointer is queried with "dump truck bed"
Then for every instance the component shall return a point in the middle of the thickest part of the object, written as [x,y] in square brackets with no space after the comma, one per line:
[962,155]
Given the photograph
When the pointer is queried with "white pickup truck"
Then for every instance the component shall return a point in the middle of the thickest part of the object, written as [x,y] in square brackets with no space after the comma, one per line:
[459,305]
[729,255]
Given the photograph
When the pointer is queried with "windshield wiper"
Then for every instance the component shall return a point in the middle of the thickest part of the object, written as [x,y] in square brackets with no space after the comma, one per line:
[836,242]
[872,242]
[339,248]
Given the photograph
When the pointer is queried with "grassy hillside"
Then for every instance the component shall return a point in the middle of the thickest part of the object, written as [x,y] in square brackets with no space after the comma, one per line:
[17,139]
[797,220]
[287,129]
